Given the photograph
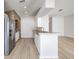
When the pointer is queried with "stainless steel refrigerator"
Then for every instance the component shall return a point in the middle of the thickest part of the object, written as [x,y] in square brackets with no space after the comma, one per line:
[9,39]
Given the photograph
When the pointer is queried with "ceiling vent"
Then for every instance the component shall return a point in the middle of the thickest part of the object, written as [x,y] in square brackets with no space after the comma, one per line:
[60,10]
[22,1]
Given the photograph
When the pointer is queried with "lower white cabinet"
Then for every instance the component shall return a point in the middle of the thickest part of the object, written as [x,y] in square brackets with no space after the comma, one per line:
[16,36]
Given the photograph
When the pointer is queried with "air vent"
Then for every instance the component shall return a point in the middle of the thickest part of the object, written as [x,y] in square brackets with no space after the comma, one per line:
[60,10]
[22,1]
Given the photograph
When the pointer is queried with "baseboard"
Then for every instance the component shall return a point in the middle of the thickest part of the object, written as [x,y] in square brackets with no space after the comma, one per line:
[66,37]
[49,57]
[28,38]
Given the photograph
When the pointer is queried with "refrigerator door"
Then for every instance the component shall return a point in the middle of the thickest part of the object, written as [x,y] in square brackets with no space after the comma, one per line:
[6,36]
[11,35]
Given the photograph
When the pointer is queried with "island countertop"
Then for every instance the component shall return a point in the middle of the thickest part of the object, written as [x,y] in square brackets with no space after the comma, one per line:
[42,32]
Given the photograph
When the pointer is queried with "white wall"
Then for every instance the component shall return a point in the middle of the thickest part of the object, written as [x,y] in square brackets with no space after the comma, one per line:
[36,22]
[27,25]
[69,26]
[58,24]
[63,25]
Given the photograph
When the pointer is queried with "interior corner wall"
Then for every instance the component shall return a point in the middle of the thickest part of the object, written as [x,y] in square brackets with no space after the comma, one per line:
[69,26]
[27,25]
[58,24]
[50,24]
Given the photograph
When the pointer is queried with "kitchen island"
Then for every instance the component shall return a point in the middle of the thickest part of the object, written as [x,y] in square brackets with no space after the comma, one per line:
[47,44]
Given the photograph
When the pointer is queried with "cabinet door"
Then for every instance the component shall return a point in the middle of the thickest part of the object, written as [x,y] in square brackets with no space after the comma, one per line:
[49,46]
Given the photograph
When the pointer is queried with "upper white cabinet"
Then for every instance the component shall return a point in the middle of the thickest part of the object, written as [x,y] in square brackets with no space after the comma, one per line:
[43,22]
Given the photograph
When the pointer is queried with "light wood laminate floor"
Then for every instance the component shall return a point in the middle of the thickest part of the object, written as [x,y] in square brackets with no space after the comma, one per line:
[26,49]
[66,48]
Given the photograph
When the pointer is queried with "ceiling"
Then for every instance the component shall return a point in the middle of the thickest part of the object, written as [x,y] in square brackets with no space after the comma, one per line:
[66,5]
[34,5]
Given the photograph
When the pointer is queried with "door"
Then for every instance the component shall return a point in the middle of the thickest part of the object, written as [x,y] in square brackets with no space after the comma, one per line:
[6,35]
[12,35]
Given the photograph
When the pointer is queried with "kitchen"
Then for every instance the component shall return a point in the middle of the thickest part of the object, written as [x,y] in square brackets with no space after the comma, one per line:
[36,28]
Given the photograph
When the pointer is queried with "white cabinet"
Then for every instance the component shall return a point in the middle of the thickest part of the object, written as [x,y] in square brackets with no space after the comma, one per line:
[16,36]
[48,45]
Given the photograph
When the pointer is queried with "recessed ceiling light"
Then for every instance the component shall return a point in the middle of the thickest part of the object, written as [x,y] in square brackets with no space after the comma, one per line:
[60,10]
[25,7]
